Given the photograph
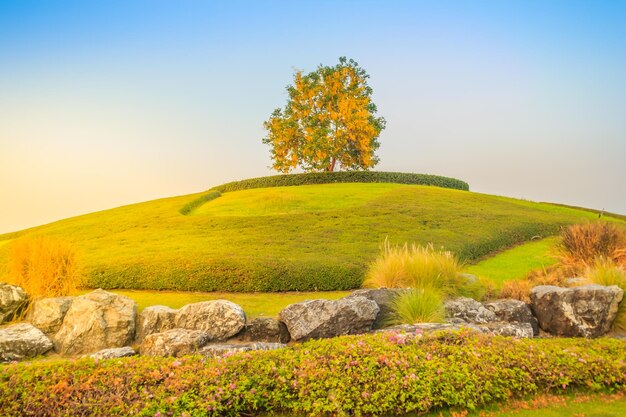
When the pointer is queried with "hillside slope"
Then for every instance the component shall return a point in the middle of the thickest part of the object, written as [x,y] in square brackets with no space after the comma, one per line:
[289,238]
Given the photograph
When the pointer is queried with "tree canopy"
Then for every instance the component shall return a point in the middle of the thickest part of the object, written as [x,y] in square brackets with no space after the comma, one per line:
[328,123]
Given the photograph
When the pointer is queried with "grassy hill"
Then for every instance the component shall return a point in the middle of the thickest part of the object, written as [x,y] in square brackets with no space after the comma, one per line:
[282,238]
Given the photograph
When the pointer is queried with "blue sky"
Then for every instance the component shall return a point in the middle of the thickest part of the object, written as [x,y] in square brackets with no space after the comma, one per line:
[113,102]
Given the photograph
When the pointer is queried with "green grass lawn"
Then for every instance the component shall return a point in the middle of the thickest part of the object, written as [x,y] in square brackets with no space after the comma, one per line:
[517,262]
[580,405]
[305,238]
[254,304]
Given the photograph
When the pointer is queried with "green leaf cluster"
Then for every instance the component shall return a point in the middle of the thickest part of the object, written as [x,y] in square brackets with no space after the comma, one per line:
[380,374]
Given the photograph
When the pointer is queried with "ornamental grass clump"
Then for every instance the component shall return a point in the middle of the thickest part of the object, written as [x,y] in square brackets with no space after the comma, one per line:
[607,272]
[415,266]
[422,305]
[44,267]
[432,275]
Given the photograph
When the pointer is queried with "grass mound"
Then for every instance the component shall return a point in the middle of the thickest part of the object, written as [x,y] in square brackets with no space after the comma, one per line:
[353,375]
[305,238]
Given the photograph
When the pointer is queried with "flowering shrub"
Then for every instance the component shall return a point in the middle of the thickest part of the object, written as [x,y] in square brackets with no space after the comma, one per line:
[351,375]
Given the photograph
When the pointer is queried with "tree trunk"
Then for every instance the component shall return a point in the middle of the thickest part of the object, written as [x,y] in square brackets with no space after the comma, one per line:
[331,167]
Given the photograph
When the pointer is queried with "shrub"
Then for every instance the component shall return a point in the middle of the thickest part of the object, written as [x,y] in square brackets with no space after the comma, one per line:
[606,272]
[416,267]
[192,205]
[581,244]
[44,267]
[420,305]
[382,374]
[343,176]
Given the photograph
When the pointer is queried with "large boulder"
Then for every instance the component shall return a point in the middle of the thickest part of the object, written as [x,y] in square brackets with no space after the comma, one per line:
[313,319]
[22,341]
[265,329]
[384,298]
[221,319]
[97,321]
[513,311]
[468,310]
[47,314]
[155,319]
[175,342]
[586,311]
[12,300]
[225,349]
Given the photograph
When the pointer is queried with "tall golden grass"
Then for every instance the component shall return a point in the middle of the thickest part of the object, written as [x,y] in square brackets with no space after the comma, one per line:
[44,267]
[416,267]
[431,274]
[607,272]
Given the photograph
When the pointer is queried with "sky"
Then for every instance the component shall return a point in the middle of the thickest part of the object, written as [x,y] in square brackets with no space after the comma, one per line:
[115,102]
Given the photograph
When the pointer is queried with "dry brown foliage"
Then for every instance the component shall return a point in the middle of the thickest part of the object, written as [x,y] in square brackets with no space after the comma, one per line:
[581,244]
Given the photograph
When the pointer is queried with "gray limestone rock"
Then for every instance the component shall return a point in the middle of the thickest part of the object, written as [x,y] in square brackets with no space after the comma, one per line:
[155,319]
[313,319]
[13,300]
[586,311]
[95,321]
[22,341]
[47,314]
[221,319]
[175,342]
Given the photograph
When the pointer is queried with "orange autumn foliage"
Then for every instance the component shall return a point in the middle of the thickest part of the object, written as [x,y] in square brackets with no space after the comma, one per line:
[328,123]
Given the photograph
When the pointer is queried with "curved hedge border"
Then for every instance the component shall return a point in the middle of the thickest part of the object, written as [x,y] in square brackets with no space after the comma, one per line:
[365,375]
[343,176]
[192,205]
[326,178]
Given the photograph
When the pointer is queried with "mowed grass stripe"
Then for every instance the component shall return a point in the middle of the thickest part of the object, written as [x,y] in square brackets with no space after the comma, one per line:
[517,262]
[317,245]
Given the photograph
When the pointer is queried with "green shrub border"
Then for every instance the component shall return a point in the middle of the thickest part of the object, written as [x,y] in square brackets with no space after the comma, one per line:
[342,177]
[192,205]
[381,374]
[312,178]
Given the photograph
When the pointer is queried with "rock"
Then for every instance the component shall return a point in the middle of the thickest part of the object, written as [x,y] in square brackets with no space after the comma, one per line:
[429,328]
[468,310]
[13,299]
[383,297]
[515,329]
[155,319]
[225,349]
[22,341]
[221,319]
[265,329]
[47,314]
[175,342]
[498,328]
[113,353]
[314,319]
[586,311]
[96,321]
[513,311]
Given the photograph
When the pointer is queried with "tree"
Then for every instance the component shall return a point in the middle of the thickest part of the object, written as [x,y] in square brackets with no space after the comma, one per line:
[328,123]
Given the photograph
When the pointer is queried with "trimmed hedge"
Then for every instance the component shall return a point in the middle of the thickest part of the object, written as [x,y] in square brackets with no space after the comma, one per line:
[343,176]
[352,375]
[192,205]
